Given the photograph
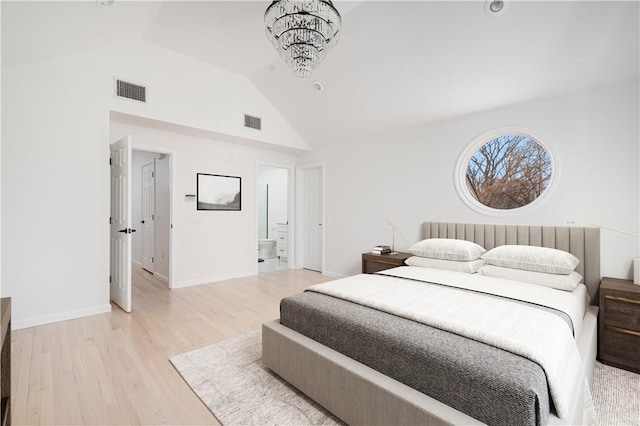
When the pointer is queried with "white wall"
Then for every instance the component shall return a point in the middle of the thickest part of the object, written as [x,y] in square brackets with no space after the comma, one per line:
[209,245]
[408,176]
[55,173]
[185,91]
[277,179]
[1,293]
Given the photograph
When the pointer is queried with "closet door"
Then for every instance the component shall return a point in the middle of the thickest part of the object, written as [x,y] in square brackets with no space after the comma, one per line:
[313,216]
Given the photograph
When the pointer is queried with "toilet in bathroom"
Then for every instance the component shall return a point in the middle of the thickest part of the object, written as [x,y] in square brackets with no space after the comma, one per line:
[266,248]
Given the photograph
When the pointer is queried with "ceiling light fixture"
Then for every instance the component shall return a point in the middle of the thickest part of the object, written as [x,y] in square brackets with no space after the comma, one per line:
[105,2]
[494,7]
[303,32]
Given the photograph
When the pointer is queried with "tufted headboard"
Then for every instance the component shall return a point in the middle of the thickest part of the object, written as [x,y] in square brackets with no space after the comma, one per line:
[583,243]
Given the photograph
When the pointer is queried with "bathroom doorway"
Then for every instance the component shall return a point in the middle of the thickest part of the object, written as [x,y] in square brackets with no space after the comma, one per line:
[273,242]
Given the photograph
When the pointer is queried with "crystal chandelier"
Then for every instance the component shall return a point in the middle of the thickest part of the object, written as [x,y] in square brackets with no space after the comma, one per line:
[302,31]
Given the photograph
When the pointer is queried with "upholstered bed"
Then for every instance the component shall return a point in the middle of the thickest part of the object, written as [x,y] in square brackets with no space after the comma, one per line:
[326,342]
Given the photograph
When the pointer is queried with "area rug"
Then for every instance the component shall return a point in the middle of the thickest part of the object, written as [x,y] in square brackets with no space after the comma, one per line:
[231,380]
[616,396]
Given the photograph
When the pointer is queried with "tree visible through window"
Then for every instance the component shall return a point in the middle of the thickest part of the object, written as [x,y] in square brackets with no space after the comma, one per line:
[509,172]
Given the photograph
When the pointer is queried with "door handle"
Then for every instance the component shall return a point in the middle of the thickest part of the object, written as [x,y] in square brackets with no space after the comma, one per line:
[142,221]
[127,230]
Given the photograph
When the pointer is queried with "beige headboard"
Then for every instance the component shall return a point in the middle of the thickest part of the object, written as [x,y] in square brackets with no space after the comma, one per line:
[583,243]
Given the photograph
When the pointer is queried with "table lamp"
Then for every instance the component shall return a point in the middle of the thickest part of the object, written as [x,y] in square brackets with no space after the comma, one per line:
[636,261]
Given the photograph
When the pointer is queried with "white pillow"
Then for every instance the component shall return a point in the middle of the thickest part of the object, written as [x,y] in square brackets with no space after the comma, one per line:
[469,267]
[567,282]
[447,249]
[530,258]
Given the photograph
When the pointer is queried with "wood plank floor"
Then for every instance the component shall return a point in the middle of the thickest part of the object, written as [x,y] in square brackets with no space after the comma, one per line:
[114,368]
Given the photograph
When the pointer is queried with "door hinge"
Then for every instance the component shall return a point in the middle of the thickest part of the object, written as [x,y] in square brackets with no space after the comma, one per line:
[110,162]
[153,174]
[110,221]
[109,278]
[153,217]
[152,260]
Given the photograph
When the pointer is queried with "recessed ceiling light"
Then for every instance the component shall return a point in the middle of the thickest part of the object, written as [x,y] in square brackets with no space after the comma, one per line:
[494,7]
[317,86]
[105,2]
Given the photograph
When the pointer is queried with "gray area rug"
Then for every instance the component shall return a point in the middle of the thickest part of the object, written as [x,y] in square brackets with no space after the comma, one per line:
[616,396]
[231,380]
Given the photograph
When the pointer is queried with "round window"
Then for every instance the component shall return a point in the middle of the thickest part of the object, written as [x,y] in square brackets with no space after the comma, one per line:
[504,171]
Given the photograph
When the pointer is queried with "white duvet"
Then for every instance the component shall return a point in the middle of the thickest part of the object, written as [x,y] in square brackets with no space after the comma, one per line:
[529,332]
[573,303]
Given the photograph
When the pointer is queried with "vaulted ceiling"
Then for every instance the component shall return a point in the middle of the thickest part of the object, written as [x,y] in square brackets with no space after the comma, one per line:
[397,63]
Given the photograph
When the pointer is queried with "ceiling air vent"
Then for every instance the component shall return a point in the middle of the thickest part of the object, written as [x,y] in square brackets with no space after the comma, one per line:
[128,90]
[252,122]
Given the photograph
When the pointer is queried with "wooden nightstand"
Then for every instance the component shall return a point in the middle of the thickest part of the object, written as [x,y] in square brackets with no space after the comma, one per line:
[619,324]
[379,262]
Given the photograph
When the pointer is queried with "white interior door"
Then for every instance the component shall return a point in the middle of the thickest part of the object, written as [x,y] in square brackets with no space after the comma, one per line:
[148,216]
[121,223]
[313,216]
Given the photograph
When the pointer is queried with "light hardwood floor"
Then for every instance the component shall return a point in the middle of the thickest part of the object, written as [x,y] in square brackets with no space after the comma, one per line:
[114,368]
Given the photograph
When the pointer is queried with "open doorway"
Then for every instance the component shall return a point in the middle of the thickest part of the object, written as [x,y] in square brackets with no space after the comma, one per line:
[273,218]
[151,212]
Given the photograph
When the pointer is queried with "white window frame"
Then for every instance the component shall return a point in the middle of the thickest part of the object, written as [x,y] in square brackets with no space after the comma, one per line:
[460,174]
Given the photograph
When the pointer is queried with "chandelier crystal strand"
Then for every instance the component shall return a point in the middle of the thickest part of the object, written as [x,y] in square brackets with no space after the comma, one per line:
[302,32]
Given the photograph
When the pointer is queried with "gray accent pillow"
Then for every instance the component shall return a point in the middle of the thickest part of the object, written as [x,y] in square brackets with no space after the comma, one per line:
[530,258]
[567,282]
[469,267]
[447,249]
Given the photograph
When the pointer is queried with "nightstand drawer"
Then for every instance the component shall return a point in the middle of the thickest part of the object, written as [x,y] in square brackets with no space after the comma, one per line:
[622,312]
[619,323]
[620,347]
[373,267]
[372,263]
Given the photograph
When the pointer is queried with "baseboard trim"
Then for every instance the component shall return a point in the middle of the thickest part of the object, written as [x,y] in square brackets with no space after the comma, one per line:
[136,262]
[62,316]
[334,274]
[212,279]
[162,277]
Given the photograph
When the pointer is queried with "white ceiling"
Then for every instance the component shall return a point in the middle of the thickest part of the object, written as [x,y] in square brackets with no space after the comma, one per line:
[397,64]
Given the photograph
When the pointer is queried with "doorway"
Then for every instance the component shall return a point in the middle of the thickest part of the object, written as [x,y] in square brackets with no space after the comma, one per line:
[151,212]
[310,203]
[127,161]
[148,216]
[273,244]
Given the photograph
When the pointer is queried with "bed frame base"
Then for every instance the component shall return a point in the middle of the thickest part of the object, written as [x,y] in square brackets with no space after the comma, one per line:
[360,395]
[355,393]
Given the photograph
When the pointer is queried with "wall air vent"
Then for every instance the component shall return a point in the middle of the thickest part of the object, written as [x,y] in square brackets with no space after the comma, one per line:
[252,122]
[132,91]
